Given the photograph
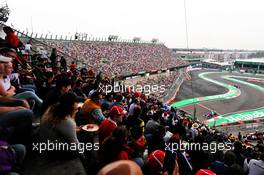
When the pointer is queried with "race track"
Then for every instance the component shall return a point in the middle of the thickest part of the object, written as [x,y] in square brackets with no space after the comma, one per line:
[249,97]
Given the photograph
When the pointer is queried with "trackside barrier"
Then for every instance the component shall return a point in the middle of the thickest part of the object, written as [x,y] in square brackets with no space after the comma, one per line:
[172,92]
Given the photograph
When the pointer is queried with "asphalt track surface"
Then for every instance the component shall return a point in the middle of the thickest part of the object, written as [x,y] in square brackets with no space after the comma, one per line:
[250,98]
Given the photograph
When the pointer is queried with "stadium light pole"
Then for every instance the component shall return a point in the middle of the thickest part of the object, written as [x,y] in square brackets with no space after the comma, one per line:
[186,25]
[187,46]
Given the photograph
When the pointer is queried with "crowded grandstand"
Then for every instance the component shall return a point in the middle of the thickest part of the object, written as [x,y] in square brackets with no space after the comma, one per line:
[85,107]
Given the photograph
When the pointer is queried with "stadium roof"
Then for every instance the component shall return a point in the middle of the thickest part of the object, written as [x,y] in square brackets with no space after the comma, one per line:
[217,63]
[252,60]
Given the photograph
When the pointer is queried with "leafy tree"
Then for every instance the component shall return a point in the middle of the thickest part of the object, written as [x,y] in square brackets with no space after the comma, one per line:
[4,13]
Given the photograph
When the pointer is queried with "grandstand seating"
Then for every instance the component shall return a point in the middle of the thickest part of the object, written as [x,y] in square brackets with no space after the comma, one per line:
[118,58]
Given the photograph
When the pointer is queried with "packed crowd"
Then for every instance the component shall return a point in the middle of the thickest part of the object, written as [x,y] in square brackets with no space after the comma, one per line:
[119,58]
[163,81]
[127,125]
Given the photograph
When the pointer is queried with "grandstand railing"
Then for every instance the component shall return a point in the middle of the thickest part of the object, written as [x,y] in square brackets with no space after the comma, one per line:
[48,48]
[37,43]
[84,38]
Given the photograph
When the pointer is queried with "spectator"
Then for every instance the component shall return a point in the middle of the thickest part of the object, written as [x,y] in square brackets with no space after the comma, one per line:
[155,162]
[121,167]
[77,89]
[63,85]
[135,119]
[106,103]
[115,147]
[57,123]
[138,145]
[63,64]
[174,159]
[153,124]
[132,106]
[7,90]
[235,169]
[73,65]
[91,109]
[28,47]
[11,39]
[156,141]
[218,166]
[239,136]
[110,124]
[256,167]
[118,100]
[53,57]
[12,157]
[240,158]
[15,121]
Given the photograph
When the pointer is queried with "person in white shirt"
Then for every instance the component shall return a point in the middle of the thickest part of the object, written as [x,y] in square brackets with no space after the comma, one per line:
[7,90]
[28,47]
[256,167]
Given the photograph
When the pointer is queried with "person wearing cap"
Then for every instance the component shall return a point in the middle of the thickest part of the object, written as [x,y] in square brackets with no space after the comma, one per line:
[195,127]
[14,76]
[192,131]
[154,164]
[106,103]
[4,59]
[106,128]
[11,53]
[91,109]
[8,52]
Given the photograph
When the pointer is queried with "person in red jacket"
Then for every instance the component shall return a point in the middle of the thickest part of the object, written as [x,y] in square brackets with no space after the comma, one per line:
[11,38]
[106,128]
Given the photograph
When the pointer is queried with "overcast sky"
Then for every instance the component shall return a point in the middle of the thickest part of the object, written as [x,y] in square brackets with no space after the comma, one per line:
[224,24]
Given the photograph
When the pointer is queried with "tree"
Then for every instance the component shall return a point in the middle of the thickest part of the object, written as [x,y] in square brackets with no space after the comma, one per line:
[4,13]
